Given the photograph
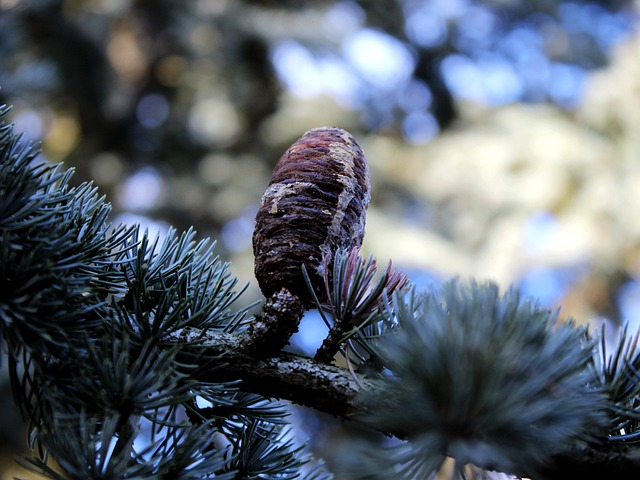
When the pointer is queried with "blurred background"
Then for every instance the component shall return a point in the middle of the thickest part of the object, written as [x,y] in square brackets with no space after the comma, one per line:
[502,135]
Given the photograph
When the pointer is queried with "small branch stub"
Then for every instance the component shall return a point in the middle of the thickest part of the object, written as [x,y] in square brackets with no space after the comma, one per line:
[316,202]
[272,328]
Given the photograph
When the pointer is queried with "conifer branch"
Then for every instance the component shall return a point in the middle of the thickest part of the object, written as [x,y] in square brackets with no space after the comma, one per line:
[287,376]
[106,330]
[338,392]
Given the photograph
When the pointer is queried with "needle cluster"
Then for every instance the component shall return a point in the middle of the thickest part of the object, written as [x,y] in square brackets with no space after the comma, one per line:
[86,314]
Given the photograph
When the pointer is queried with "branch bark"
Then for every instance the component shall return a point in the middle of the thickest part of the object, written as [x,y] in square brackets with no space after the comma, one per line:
[287,376]
[336,391]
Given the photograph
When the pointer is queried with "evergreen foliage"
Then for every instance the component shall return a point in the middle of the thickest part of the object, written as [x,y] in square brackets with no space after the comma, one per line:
[505,384]
[84,311]
[95,321]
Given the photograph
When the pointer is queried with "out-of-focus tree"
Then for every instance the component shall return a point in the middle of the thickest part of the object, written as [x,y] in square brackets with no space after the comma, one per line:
[194,90]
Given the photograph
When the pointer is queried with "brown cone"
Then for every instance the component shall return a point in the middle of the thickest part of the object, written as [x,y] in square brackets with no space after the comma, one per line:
[316,202]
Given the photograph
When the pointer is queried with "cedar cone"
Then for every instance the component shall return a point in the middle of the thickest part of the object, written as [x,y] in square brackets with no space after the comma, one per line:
[315,203]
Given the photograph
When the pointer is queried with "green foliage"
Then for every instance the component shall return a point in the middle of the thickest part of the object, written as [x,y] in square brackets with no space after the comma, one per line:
[352,294]
[84,311]
[174,284]
[55,249]
[355,302]
[619,373]
[487,379]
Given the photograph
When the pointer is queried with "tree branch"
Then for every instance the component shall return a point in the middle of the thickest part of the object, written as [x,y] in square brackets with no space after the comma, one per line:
[301,380]
[334,390]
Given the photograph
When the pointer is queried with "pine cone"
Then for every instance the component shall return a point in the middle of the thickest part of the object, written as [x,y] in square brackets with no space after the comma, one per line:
[316,202]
